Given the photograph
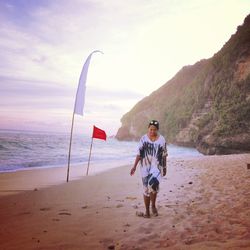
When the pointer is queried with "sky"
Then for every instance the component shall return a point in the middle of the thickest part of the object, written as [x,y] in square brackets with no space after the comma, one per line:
[43,45]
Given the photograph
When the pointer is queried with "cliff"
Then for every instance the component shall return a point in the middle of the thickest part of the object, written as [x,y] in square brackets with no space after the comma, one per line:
[205,105]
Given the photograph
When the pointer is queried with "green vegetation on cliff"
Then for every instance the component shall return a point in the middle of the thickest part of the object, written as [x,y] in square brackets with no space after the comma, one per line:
[206,105]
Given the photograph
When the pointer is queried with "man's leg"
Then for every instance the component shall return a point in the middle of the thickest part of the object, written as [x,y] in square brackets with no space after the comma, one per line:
[147,204]
[153,197]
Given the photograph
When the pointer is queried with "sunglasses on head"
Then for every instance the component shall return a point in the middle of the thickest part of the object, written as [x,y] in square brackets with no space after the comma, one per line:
[153,123]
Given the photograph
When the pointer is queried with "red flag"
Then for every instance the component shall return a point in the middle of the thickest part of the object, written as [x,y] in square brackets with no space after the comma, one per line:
[99,133]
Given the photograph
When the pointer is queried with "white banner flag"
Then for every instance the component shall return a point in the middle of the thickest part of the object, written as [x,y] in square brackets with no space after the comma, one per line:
[80,94]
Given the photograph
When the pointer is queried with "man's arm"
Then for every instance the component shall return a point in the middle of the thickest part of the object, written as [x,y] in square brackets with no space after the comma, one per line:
[165,154]
[165,165]
[133,169]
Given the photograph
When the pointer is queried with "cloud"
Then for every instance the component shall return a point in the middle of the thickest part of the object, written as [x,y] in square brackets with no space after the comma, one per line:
[43,45]
[27,103]
[21,87]
[145,42]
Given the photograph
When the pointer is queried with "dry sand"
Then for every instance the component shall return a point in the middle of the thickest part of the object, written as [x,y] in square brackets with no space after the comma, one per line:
[203,204]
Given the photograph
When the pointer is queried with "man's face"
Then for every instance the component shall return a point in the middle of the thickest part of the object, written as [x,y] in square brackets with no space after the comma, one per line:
[152,130]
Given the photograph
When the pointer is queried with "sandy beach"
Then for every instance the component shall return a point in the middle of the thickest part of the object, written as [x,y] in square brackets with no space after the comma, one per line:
[203,204]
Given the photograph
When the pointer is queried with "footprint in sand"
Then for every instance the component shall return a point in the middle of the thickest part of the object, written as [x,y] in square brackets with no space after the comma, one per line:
[109,243]
[45,209]
[106,207]
[64,213]
[37,240]
[131,198]
[54,219]
[119,205]
[24,213]
[135,206]
[84,207]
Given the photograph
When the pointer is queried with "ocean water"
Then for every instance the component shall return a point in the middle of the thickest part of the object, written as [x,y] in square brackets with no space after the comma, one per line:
[27,149]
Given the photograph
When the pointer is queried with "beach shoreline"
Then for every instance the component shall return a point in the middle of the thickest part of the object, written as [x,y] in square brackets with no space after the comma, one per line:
[25,179]
[203,204]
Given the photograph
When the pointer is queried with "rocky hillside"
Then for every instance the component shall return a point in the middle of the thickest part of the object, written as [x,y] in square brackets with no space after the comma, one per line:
[205,105]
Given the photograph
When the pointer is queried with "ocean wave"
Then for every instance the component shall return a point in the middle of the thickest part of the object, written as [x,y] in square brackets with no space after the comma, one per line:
[2,147]
[30,150]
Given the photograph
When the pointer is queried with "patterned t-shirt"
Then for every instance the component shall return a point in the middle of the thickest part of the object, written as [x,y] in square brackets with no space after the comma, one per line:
[152,155]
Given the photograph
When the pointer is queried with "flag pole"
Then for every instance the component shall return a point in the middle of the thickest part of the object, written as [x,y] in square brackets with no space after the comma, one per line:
[79,100]
[89,156]
[70,142]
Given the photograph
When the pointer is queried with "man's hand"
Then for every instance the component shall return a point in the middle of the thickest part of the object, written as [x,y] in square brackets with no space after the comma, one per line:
[164,171]
[132,171]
